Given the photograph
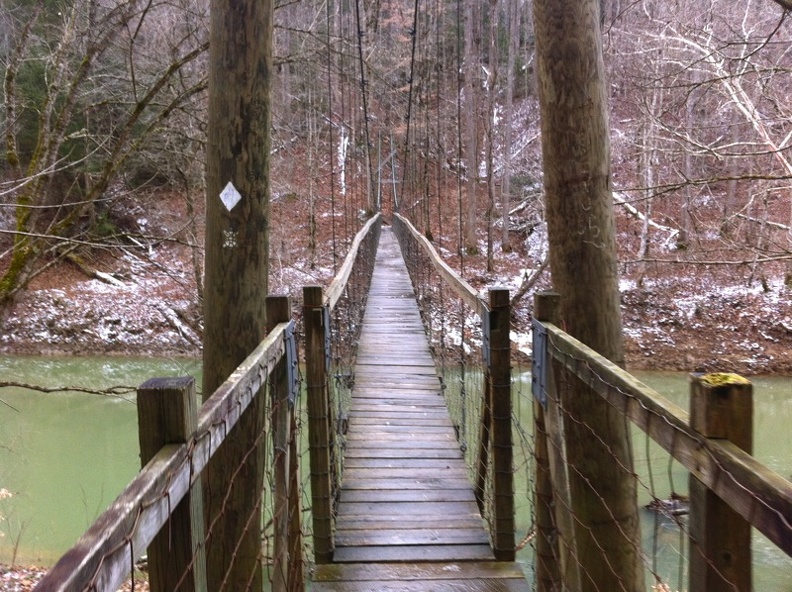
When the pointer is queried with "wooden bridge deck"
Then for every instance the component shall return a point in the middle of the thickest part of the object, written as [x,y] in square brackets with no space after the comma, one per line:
[407,517]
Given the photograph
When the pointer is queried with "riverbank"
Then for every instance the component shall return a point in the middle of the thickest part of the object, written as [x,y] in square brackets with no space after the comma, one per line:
[143,301]
[684,324]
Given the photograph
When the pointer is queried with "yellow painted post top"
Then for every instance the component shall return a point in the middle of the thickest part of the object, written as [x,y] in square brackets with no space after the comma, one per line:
[723,378]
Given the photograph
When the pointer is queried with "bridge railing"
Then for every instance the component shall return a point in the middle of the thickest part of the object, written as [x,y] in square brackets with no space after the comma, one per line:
[160,513]
[469,339]
[332,320]
[730,492]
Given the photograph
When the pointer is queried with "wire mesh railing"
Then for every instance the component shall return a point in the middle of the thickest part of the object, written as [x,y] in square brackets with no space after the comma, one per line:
[160,514]
[163,515]
[708,530]
[469,340]
[701,493]
[333,319]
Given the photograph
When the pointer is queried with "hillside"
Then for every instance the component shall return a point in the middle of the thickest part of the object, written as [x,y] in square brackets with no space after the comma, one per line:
[682,317]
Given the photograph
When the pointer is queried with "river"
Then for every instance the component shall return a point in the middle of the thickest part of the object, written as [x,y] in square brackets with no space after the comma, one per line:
[64,457]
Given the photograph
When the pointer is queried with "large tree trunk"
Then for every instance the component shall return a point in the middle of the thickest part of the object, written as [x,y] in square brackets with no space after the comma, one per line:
[237,253]
[576,152]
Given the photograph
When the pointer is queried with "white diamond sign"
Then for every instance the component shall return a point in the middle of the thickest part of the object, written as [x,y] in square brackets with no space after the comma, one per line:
[230,196]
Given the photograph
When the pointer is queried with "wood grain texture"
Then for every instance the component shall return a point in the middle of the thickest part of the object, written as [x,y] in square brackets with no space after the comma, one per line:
[407,516]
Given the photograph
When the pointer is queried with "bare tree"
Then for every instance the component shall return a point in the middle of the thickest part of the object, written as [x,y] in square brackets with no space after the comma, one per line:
[472,101]
[101,97]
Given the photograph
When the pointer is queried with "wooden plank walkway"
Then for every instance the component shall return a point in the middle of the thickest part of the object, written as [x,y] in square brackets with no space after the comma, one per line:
[407,515]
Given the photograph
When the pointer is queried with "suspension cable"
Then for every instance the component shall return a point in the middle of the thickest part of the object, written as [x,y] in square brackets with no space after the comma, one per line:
[365,107]
[460,250]
[413,34]
[330,118]
[439,59]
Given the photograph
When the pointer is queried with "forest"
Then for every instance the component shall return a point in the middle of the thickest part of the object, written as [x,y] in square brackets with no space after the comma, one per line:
[427,108]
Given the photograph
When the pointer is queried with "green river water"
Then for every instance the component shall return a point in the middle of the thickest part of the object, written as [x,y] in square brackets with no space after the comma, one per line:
[64,457]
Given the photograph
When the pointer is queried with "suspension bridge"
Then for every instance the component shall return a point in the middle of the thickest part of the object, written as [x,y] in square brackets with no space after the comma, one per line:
[406,510]
[408,437]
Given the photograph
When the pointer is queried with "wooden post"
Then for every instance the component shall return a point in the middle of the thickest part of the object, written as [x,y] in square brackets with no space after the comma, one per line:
[721,406]
[500,392]
[296,559]
[548,575]
[279,311]
[167,414]
[319,428]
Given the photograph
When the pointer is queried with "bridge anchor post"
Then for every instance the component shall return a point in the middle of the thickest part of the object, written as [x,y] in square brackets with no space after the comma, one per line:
[501,409]
[721,406]
[167,414]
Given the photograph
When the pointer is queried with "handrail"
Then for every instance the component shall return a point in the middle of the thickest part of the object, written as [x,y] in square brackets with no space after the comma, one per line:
[759,495]
[339,283]
[105,553]
[463,289]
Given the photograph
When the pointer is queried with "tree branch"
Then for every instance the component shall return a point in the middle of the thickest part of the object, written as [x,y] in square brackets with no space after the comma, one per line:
[116,392]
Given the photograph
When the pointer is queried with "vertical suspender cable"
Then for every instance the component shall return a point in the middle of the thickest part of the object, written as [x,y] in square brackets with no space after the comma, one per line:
[460,250]
[371,206]
[332,135]
[439,59]
[413,34]
[344,135]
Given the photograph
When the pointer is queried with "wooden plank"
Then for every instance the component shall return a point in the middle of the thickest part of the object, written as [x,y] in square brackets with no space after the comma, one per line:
[395,463]
[395,421]
[386,484]
[426,572]
[405,430]
[448,509]
[383,522]
[413,553]
[458,472]
[389,452]
[409,414]
[402,537]
[459,492]
[384,383]
[466,585]
[473,575]
[399,439]
[381,410]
